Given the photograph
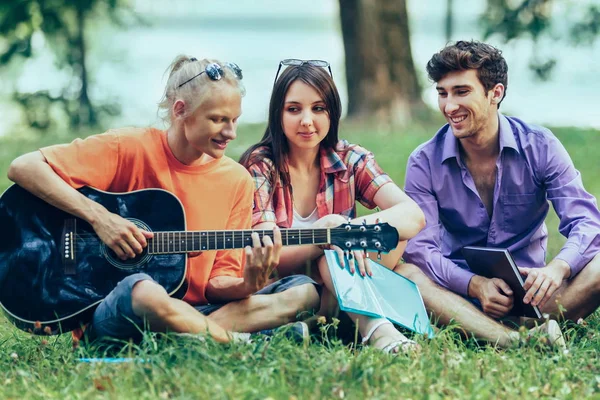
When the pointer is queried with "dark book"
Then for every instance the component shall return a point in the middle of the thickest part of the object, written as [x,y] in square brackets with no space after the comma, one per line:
[498,263]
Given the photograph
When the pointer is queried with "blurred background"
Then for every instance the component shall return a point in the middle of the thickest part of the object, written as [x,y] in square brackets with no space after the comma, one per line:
[71,64]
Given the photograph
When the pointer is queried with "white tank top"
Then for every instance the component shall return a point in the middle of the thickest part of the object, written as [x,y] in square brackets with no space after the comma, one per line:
[304,222]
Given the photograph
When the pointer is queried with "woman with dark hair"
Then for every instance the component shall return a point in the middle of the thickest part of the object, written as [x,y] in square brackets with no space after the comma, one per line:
[306,177]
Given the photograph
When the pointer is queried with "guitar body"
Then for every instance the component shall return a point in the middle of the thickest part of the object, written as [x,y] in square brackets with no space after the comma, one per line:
[54,270]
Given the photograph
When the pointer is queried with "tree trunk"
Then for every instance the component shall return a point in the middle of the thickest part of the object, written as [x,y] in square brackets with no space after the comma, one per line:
[86,114]
[380,72]
[449,19]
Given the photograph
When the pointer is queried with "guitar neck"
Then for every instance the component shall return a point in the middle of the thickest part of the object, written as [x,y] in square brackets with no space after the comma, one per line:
[193,241]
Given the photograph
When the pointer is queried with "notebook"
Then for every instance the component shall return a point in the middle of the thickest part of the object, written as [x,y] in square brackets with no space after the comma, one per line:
[498,263]
[385,294]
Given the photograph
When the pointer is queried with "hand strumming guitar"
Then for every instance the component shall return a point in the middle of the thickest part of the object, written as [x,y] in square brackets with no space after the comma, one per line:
[261,261]
[121,235]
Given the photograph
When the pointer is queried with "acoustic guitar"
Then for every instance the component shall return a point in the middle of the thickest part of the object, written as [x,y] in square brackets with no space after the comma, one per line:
[54,270]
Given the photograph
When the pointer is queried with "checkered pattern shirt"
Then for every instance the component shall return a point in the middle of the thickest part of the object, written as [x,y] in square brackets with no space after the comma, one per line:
[348,173]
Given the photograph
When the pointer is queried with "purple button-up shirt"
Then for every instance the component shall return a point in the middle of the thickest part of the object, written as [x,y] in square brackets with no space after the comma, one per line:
[532,168]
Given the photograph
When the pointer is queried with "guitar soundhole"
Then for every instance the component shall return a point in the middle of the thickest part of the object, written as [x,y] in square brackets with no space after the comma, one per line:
[130,263]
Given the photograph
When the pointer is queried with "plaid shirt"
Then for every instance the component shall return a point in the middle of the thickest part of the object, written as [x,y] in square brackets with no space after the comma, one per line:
[348,173]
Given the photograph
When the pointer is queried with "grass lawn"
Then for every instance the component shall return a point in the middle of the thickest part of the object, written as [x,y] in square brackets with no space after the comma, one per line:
[169,367]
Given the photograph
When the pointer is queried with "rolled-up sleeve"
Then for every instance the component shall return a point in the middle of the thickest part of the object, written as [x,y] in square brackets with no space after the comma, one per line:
[424,250]
[369,178]
[576,208]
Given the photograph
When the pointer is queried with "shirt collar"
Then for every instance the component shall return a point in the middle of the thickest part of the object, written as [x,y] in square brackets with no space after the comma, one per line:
[331,162]
[507,137]
[505,133]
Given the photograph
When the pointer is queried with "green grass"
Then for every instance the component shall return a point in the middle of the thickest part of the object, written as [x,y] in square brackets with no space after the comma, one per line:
[36,367]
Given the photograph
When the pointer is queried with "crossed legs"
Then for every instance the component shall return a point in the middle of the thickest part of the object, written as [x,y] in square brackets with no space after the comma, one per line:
[447,306]
[138,301]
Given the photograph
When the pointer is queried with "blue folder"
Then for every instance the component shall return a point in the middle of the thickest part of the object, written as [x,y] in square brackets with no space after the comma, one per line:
[385,294]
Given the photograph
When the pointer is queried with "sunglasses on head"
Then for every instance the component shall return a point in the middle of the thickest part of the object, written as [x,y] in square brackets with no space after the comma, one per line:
[215,72]
[297,63]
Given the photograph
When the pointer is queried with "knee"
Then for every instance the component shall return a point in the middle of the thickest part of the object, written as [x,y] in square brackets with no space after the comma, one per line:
[592,271]
[148,297]
[300,298]
[414,273]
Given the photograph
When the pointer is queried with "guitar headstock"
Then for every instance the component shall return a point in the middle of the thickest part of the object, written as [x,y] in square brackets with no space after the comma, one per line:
[380,237]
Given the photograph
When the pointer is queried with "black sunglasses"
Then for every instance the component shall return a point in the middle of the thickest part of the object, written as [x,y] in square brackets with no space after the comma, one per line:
[297,63]
[215,71]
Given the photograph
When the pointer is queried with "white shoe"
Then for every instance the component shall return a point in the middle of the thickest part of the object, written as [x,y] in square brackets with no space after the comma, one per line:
[552,330]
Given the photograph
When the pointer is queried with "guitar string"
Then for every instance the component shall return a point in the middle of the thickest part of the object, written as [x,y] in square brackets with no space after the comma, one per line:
[220,234]
[215,237]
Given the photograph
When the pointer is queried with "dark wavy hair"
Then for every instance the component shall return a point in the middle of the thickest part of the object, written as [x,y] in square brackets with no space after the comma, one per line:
[274,139]
[486,59]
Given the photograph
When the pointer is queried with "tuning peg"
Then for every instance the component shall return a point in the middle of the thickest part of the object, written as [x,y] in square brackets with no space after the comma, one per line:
[377,221]
[377,244]
[366,254]
[349,255]
[363,243]
[379,256]
[364,222]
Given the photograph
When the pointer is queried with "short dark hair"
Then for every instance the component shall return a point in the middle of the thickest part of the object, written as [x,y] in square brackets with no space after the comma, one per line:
[486,59]
[274,138]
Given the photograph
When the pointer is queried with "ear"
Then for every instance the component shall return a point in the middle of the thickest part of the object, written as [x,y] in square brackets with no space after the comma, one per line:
[179,108]
[497,93]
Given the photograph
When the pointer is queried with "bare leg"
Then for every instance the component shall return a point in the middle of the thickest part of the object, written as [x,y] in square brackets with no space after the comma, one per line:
[383,335]
[151,302]
[448,306]
[580,296]
[260,312]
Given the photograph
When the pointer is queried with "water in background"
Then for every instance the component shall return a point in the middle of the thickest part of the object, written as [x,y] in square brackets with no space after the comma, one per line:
[127,65]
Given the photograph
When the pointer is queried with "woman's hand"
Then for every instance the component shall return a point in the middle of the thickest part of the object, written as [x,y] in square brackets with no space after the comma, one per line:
[261,261]
[356,258]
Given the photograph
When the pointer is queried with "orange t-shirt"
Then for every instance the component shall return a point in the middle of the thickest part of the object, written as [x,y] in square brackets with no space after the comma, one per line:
[216,195]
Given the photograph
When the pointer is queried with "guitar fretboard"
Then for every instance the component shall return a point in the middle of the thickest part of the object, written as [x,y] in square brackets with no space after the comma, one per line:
[192,241]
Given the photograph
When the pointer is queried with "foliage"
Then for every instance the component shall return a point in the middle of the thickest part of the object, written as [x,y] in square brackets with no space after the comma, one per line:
[538,19]
[61,24]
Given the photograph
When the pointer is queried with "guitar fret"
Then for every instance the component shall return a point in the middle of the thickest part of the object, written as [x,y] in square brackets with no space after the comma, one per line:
[192,241]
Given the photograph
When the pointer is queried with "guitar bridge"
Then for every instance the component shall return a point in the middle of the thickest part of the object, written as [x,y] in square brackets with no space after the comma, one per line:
[68,246]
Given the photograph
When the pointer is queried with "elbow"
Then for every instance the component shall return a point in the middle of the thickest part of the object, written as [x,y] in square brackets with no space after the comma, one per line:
[16,169]
[21,166]
[419,222]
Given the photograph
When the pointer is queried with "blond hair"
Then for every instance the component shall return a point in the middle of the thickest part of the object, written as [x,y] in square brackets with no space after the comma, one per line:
[196,90]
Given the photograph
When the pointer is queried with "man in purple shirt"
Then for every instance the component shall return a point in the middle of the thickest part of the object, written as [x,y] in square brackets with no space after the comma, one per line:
[485,179]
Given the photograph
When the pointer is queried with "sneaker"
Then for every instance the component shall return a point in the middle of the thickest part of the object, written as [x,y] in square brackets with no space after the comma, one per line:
[294,331]
[551,329]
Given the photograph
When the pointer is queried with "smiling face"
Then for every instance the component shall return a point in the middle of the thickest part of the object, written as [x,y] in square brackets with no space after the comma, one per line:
[213,124]
[305,118]
[467,106]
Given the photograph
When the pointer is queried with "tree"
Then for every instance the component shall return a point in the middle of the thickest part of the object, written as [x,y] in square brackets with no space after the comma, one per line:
[381,77]
[512,20]
[449,19]
[63,25]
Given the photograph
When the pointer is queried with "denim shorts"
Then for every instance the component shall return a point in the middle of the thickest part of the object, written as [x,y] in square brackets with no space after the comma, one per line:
[115,318]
